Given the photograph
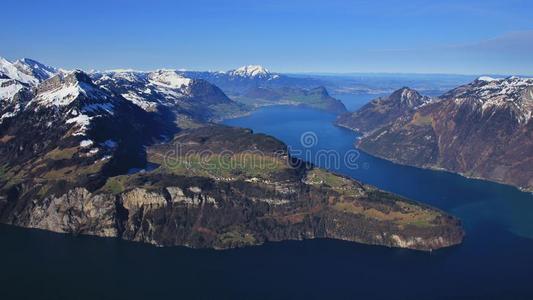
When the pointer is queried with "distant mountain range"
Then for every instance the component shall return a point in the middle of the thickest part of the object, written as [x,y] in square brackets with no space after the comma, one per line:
[135,155]
[256,86]
[244,78]
[168,91]
[482,129]
[317,98]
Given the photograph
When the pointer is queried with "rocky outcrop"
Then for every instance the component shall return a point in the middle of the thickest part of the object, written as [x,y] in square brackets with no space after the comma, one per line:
[381,111]
[78,212]
[223,215]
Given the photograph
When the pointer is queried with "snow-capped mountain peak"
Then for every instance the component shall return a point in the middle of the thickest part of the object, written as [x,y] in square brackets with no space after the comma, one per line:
[495,94]
[36,69]
[250,71]
[486,78]
[130,76]
[485,88]
[10,70]
[147,89]
[8,89]
[64,88]
[409,97]
[169,78]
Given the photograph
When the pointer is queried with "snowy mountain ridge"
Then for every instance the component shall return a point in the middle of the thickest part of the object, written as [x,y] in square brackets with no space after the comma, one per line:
[252,71]
[491,94]
[36,69]
[64,88]
[12,71]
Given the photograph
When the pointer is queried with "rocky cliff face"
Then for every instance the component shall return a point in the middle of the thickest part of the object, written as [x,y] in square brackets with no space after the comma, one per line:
[483,129]
[202,212]
[77,211]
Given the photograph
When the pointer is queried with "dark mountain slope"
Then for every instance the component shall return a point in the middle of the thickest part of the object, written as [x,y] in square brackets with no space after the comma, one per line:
[482,129]
[381,111]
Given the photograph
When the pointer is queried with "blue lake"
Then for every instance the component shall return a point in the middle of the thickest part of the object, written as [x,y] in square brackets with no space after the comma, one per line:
[495,260]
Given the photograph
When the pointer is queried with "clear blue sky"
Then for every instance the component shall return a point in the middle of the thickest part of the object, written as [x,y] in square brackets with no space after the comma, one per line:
[456,36]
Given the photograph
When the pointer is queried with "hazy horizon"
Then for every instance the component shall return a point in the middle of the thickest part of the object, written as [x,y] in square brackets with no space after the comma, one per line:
[308,73]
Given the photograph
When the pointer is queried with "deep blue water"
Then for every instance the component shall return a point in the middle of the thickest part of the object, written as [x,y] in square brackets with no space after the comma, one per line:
[494,262]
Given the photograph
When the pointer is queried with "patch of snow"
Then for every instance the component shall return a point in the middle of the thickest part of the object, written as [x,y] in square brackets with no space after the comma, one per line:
[66,93]
[8,88]
[139,101]
[250,71]
[486,78]
[86,143]
[11,71]
[7,115]
[61,96]
[106,157]
[497,93]
[169,78]
[127,75]
[35,69]
[83,121]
